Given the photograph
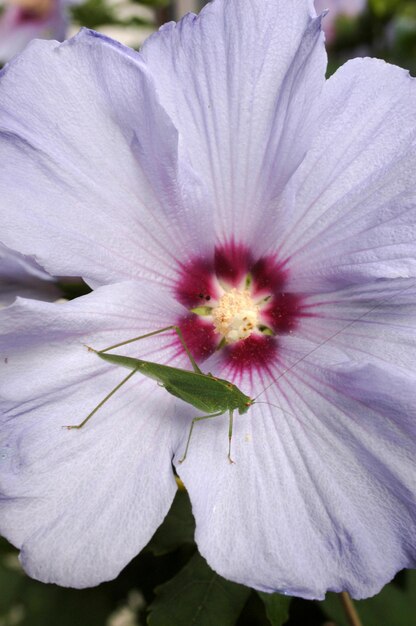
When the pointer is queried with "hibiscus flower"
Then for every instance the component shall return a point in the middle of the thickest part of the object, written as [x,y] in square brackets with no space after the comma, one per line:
[214,181]
[24,20]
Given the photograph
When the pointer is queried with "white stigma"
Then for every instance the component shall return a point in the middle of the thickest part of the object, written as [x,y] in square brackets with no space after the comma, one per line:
[236,315]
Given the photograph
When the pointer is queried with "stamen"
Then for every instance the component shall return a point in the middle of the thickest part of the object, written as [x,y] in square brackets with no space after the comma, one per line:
[236,315]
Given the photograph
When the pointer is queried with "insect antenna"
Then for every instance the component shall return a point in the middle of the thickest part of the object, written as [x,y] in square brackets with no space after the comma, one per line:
[338,332]
[276,406]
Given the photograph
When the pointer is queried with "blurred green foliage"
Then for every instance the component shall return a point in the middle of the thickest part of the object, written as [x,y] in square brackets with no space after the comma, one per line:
[385,29]
[395,605]
[98,13]
[93,13]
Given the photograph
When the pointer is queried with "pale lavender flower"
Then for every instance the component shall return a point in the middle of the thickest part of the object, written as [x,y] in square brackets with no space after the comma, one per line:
[216,159]
[22,276]
[24,20]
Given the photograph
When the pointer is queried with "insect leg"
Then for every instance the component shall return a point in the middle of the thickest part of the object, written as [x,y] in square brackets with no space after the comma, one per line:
[191,358]
[230,435]
[108,396]
[157,332]
[124,343]
[197,419]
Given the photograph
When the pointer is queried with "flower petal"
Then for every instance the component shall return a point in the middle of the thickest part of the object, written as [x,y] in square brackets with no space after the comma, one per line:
[80,504]
[21,276]
[238,81]
[104,196]
[371,323]
[320,495]
[349,214]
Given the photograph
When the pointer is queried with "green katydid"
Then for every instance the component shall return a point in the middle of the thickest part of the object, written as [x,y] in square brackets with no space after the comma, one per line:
[203,391]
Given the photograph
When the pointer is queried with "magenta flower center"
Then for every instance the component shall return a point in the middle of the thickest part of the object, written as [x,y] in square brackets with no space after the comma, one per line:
[237,305]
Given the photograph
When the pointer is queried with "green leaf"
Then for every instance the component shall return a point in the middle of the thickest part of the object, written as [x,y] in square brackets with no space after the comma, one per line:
[177,529]
[49,605]
[411,588]
[42,604]
[11,580]
[197,596]
[6,547]
[73,288]
[277,607]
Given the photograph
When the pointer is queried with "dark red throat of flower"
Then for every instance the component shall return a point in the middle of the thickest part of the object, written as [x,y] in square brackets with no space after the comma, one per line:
[237,305]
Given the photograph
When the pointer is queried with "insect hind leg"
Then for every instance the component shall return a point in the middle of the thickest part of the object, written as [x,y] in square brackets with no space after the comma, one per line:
[230,436]
[108,396]
[152,334]
[197,419]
